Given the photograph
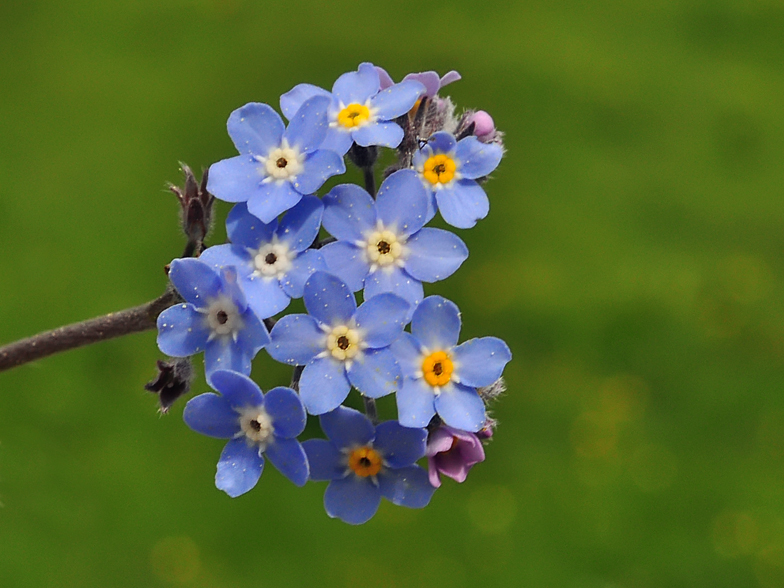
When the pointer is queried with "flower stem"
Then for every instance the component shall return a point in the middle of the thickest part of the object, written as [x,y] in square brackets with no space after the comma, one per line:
[115,324]
[370,409]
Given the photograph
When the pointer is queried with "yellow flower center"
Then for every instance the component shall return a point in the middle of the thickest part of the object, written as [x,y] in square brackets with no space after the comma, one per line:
[365,461]
[354,115]
[343,343]
[439,169]
[437,368]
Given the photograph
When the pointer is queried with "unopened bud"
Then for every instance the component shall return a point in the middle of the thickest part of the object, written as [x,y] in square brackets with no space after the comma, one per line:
[173,380]
[196,205]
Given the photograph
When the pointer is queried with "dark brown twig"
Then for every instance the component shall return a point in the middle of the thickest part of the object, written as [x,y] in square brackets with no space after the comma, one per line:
[115,324]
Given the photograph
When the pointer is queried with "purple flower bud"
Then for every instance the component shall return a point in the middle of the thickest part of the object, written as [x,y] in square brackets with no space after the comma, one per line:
[452,452]
[484,127]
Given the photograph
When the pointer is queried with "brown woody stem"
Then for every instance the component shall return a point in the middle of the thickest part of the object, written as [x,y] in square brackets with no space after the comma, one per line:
[115,324]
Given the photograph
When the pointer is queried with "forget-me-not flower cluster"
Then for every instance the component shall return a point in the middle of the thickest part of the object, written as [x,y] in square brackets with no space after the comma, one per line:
[288,242]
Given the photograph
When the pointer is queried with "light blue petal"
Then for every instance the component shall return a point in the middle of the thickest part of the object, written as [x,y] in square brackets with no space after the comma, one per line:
[440,142]
[393,279]
[401,202]
[408,354]
[239,467]
[436,323]
[229,255]
[289,458]
[246,230]
[224,354]
[349,213]
[236,179]
[382,319]
[383,134]
[462,203]
[480,362]
[353,500]
[255,129]
[182,331]
[288,414]
[338,140]
[326,461]
[357,86]
[272,199]
[318,167]
[415,403]
[230,287]
[302,266]
[384,77]
[477,159]
[211,415]
[434,254]
[239,391]
[328,299]
[296,339]
[291,101]
[323,385]
[375,374]
[397,100]
[308,127]
[429,79]
[254,335]
[347,427]
[461,407]
[265,296]
[347,262]
[406,487]
[421,156]
[401,446]
[300,225]
[196,282]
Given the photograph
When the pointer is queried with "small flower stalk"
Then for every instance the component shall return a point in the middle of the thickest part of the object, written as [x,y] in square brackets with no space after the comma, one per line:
[396,340]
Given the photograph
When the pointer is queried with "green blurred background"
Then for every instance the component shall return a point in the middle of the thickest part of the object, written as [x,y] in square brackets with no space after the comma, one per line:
[631,259]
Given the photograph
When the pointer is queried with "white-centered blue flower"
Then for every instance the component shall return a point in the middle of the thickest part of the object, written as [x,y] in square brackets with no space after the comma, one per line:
[449,170]
[441,376]
[276,165]
[257,424]
[339,344]
[359,110]
[364,463]
[215,318]
[273,260]
[382,245]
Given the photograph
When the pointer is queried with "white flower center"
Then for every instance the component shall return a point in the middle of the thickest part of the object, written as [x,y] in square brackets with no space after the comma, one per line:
[282,163]
[384,248]
[273,259]
[343,343]
[256,425]
[223,318]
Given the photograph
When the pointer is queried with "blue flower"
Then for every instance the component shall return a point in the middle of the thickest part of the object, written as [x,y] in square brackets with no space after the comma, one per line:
[272,260]
[358,111]
[276,165]
[441,376]
[363,463]
[215,318]
[339,344]
[449,169]
[256,424]
[381,244]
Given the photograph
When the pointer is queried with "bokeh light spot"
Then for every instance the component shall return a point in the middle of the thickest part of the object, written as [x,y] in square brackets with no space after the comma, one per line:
[176,560]
[492,509]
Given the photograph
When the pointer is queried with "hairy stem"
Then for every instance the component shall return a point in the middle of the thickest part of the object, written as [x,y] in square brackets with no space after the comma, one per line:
[115,324]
